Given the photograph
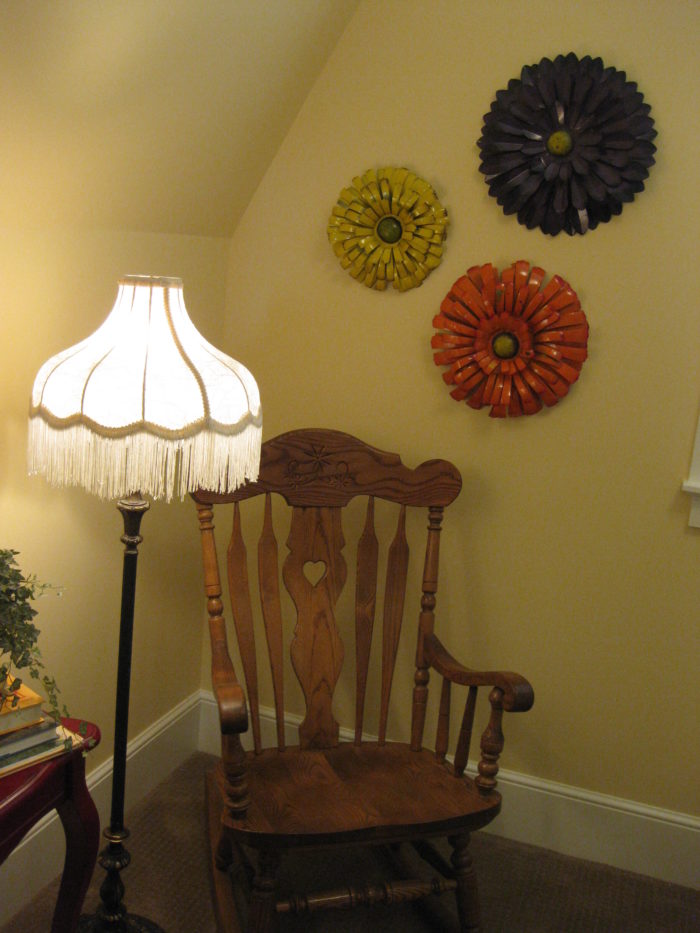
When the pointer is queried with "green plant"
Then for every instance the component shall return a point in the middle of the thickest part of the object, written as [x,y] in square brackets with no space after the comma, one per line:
[18,634]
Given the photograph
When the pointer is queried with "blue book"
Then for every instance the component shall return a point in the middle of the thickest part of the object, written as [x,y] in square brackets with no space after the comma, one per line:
[56,745]
[26,738]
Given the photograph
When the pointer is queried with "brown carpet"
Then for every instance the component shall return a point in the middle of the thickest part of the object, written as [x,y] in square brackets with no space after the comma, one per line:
[523,889]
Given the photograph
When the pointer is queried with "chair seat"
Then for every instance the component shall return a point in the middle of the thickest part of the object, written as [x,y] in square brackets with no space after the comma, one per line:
[364,793]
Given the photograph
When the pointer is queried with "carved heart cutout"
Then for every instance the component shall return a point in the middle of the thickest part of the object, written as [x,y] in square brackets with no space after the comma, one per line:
[314,571]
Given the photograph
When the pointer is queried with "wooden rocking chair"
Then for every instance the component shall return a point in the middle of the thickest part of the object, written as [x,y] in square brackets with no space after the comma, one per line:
[322,792]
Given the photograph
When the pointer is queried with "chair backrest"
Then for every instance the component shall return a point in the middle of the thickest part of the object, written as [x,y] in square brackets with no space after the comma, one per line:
[318,472]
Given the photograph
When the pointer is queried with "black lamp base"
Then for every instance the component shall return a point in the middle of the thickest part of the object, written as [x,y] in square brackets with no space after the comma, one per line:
[130,924]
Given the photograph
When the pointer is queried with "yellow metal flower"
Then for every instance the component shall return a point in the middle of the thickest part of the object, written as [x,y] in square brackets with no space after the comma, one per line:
[388,227]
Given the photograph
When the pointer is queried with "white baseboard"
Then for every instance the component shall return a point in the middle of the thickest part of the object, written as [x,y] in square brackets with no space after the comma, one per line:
[618,832]
[611,830]
[627,835]
[151,757]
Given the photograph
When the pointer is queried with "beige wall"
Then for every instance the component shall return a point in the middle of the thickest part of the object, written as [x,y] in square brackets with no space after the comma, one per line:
[158,117]
[56,287]
[155,115]
[571,557]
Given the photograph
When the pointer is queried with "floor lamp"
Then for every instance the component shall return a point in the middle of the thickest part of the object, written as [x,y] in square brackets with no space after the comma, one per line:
[143,407]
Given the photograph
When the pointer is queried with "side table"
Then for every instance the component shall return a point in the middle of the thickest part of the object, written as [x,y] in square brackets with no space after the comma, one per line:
[57,784]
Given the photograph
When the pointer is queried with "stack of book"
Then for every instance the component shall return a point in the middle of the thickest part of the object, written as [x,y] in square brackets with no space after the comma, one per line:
[29,735]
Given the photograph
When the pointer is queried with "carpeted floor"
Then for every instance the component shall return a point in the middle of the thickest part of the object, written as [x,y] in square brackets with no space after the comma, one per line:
[523,889]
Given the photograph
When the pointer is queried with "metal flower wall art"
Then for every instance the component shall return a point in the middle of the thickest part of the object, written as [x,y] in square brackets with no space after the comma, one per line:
[510,341]
[567,144]
[388,228]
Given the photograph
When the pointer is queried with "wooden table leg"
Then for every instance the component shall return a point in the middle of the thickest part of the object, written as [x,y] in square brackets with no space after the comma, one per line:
[81,825]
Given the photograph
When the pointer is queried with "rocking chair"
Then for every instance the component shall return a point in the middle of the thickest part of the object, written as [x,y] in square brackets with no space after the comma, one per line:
[365,790]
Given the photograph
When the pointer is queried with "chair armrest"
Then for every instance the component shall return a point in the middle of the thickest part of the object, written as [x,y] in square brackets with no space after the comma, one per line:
[518,695]
[230,698]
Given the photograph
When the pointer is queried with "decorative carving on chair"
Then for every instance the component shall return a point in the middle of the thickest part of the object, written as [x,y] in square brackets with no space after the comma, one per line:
[319,466]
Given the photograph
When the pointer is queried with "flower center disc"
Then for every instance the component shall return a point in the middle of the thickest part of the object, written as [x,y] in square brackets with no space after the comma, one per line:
[389,230]
[505,345]
[560,143]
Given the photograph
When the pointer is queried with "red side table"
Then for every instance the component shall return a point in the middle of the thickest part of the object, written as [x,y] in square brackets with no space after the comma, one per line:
[57,784]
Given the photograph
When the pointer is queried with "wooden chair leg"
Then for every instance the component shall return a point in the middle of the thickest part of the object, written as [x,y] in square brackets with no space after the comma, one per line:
[230,908]
[262,915]
[223,856]
[229,858]
[467,894]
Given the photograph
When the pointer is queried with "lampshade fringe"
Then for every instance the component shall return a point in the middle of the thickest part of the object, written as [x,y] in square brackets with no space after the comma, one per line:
[113,467]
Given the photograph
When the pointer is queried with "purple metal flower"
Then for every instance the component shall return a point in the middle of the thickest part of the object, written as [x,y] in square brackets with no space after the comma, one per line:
[567,144]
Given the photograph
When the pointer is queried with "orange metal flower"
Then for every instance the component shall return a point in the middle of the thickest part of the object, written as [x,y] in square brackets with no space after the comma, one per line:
[509,341]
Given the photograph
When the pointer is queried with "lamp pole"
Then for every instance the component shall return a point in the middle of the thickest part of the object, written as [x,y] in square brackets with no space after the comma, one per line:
[111,916]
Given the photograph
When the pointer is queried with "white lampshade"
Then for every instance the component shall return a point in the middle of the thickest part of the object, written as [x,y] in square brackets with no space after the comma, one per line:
[145,404]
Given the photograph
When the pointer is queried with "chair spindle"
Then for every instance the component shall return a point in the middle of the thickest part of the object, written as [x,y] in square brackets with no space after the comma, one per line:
[365,603]
[465,733]
[443,727]
[426,625]
[239,591]
[394,596]
[272,613]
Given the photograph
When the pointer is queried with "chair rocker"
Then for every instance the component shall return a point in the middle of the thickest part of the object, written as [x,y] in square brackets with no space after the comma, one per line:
[324,792]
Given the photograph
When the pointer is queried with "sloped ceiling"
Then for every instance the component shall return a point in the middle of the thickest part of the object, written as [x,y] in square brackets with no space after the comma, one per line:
[151,115]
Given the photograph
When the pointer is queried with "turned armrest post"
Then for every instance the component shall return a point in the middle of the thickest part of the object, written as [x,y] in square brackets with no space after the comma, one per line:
[426,625]
[236,799]
[491,745]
